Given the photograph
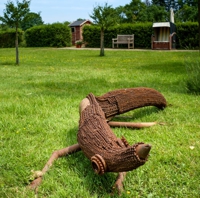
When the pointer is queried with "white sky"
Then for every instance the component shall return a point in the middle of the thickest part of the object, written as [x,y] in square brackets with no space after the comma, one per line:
[65,10]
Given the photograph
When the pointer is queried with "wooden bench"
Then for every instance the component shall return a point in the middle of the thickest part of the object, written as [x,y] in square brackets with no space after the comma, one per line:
[123,39]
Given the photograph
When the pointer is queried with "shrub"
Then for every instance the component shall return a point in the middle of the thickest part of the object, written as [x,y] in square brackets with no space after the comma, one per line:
[193,76]
[7,38]
[187,35]
[54,35]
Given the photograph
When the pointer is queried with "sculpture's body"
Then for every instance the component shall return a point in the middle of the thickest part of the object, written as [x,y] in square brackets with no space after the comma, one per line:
[96,139]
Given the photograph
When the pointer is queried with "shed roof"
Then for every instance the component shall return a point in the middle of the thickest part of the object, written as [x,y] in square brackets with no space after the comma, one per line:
[161,24]
[78,23]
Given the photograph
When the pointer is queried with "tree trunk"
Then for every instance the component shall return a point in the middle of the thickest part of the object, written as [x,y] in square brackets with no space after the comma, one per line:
[16,46]
[102,43]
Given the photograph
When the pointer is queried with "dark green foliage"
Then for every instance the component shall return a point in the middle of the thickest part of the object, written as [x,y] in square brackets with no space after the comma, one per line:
[7,38]
[30,20]
[187,13]
[158,11]
[91,35]
[187,35]
[54,35]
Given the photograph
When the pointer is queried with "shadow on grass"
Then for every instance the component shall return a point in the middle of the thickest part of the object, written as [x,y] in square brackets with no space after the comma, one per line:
[7,64]
[95,184]
[98,86]
[136,114]
[169,67]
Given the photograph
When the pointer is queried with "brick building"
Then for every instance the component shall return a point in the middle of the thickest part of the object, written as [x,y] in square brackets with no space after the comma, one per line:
[77,28]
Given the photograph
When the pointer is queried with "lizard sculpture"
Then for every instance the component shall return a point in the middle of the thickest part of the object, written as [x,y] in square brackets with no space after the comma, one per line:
[99,144]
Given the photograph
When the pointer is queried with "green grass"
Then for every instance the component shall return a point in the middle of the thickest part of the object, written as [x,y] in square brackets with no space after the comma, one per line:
[39,114]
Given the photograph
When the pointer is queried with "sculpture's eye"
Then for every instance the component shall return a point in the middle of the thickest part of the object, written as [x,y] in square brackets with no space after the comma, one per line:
[98,164]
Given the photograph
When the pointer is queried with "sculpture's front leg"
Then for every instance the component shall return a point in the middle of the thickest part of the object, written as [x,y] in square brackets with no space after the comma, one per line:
[119,182]
[55,155]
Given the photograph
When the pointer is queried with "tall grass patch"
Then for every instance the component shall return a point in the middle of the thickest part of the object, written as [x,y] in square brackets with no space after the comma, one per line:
[193,75]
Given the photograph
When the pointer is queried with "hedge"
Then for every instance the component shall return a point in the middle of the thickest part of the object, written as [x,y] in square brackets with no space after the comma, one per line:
[187,35]
[51,35]
[59,35]
[142,34]
[7,38]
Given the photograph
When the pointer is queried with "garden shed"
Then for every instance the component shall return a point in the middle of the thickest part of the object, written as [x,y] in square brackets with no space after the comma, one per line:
[77,28]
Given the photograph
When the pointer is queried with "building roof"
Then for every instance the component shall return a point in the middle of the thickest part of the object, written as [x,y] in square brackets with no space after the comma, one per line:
[161,24]
[78,23]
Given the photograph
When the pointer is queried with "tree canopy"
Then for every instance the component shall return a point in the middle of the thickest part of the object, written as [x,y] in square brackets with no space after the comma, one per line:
[158,10]
[14,15]
[30,20]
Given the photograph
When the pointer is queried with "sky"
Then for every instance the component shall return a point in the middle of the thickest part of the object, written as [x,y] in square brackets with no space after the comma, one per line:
[65,10]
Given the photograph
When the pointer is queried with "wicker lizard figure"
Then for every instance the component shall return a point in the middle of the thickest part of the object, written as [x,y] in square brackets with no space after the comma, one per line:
[106,152]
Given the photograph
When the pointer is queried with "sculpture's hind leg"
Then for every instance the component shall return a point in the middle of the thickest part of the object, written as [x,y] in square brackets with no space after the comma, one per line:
[123,100]
[55,155]
[119,182]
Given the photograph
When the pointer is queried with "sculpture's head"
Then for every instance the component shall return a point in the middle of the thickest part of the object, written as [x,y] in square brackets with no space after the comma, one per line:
[142,150]
[128,159]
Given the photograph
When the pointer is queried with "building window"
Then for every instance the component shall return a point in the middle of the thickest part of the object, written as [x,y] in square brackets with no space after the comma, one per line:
[73,29]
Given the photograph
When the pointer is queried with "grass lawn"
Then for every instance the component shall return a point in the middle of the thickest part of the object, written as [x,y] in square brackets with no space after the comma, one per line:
[39,114]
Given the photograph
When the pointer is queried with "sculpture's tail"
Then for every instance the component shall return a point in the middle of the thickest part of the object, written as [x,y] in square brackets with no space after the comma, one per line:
[123,100]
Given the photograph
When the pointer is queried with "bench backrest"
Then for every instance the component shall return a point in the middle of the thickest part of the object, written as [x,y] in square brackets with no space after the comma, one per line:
[124,37]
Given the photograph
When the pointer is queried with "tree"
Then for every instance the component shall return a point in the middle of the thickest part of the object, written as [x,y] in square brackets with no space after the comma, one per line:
[120,11]
[159,2]
[14,16]
[199,22]
[153,13]
[138,11]
[30,20]
[133,10]
[187,13]
[66,23]
[80,19]
[104,17]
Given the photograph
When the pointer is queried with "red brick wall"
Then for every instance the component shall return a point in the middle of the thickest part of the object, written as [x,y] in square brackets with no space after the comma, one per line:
[77,34]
